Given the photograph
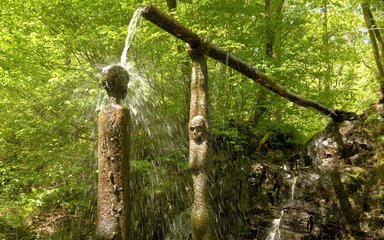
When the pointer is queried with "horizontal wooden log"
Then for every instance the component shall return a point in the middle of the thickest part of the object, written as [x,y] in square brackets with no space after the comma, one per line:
[175,28]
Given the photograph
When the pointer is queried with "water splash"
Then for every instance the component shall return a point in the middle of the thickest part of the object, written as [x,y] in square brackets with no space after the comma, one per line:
[160,182]
[141,96]
[274,233]
[132,27]
[293,187]
[180,228]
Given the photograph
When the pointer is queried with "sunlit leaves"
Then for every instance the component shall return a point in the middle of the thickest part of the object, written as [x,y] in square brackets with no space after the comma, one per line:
[51,50]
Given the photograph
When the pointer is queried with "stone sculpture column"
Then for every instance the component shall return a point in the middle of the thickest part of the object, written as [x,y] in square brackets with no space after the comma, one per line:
[113,208]
[200,147]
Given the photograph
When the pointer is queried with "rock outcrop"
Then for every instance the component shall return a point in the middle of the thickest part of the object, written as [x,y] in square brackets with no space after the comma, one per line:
[331,189]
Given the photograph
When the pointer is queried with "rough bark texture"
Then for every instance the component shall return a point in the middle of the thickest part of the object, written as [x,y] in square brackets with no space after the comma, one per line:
[173,27]
[113,206]
[374,36]
[375,27]
[200,148]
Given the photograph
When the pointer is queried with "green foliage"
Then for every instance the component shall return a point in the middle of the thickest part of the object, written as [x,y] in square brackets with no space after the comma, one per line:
[142,165]
[354,176]
[380,138]
[373,117]
[50,53]
[381,197]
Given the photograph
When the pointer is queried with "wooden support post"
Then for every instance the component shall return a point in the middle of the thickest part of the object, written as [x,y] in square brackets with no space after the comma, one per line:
[200,148]
[173,27]
[113,206]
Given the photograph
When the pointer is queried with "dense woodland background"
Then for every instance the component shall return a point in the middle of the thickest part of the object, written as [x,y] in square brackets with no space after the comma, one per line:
[51,53]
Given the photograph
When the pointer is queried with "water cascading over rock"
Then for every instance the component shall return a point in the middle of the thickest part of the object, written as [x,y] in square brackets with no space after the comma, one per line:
[331,189]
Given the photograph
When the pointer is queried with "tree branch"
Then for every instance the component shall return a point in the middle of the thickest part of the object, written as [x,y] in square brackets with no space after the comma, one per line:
[173,27]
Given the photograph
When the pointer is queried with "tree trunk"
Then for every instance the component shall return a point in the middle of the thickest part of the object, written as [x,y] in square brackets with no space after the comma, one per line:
[368,17]
[350,216]
[200,148]
[175,28]
[113,203]
[172,4]
[376,30]
[328,68]
[272,13]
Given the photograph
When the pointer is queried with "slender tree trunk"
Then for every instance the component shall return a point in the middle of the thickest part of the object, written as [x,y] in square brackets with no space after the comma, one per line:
[262,98]
[368,17]
[272,12]
[200,148]
[113,205]
[272,15]
[269,30]
[172,4]
[375,29]
[351,217]
[328,68]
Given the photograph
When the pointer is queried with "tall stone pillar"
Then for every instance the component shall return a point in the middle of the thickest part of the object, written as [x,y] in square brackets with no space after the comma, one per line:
[113,200]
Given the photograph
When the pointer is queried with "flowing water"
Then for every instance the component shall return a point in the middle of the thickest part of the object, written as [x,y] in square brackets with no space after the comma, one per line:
[160,183]
[133,25]
[274,233]
[293,188]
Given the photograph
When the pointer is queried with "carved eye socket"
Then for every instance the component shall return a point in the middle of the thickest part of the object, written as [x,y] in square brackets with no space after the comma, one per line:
[196,129]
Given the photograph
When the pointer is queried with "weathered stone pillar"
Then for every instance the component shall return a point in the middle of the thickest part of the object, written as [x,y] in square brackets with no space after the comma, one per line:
[200,147]
[113,205]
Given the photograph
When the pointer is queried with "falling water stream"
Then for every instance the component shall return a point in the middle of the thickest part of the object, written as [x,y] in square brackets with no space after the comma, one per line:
[293,188]
[274,231]
[159,182]
[133,24]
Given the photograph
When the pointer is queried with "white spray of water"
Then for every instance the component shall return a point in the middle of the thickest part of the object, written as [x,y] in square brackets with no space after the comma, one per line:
[132,27]
[293,188]
[274,233]
[161,137]
[180,226]
[142,102]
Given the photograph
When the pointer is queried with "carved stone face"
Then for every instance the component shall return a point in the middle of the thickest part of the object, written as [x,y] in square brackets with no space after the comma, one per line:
[197,128]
